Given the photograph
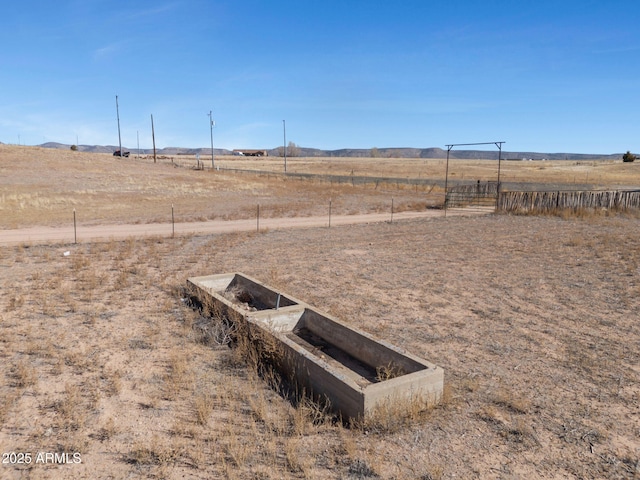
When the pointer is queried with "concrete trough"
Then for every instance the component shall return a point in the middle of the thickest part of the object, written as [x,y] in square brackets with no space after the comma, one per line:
[237,290]
[354,371]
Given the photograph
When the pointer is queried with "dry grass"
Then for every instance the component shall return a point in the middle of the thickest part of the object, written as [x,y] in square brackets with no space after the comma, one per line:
[527,326]
[104,190]
[603,172]
[534,320]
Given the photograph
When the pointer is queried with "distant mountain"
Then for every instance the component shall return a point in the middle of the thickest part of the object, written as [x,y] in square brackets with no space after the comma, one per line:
[403,152]
[435,152]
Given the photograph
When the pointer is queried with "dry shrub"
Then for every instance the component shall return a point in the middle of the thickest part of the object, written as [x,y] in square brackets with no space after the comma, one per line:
[108,430]
[78,359]
[112,380]
[184,428]
[449,396]
[490,414]
[208,323]
[253,347]
[140,343]
[57,366]
[361,469]
[79,262]
[237,449]
[197,454]
[276,279]
[310,412]
[215,331]
[71,412]
[259,407]
[7,401]
[515,402]
[93,392]
[71,441]
[203,406]
[295,458]
[511,427]
[395,414]
[24,375]
[387,372]
[179,376]
[347,445]
[518,430]
[410,206]
[16,301]
[575,241]
[153,453]
[435,472]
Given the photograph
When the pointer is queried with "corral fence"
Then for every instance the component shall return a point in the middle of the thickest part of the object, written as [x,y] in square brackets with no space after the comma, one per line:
[544,202]
[489,194]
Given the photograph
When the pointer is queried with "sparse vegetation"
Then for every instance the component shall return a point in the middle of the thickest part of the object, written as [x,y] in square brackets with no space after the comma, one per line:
[387,372]
[628,157]
[532,318]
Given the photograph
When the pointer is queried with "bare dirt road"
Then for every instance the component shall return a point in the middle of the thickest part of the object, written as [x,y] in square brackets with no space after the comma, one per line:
[44,235]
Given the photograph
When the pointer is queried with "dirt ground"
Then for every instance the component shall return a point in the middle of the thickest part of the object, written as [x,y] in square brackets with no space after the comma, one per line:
[45,187]
[534,320]
[104,367]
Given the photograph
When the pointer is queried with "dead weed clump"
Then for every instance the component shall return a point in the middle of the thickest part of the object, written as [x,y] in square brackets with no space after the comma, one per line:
[396,414]
[7,401]
[24,374]
[387,372]
[179,376]
[203,406]
[514,428]
[154,452]
[71,409]
[513,401]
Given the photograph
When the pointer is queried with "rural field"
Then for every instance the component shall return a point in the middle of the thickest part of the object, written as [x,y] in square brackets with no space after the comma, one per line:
[533,318]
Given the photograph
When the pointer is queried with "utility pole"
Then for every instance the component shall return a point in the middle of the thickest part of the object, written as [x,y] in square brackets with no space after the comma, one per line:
[211,125]
[284,132]
[153,137]
[118,116]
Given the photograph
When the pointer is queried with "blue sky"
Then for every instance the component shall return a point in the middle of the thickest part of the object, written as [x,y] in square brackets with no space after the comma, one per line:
[547,76]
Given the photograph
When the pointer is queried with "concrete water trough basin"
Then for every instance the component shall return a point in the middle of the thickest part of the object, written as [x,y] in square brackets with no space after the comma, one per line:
[354,371]
[242,292]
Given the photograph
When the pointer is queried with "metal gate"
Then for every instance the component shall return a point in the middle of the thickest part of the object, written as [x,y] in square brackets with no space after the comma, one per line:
[480,195]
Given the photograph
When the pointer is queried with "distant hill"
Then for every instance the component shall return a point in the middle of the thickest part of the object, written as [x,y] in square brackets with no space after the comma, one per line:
[435,152]
[401,152]
[147,151]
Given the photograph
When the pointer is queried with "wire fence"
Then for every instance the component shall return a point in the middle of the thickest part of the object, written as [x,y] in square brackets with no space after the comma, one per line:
[478,195]
[361,180]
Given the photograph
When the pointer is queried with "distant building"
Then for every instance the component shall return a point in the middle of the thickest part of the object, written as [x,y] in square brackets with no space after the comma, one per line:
[250,153]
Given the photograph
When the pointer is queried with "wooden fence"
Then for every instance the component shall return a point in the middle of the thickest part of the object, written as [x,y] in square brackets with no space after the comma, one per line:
[520,202]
